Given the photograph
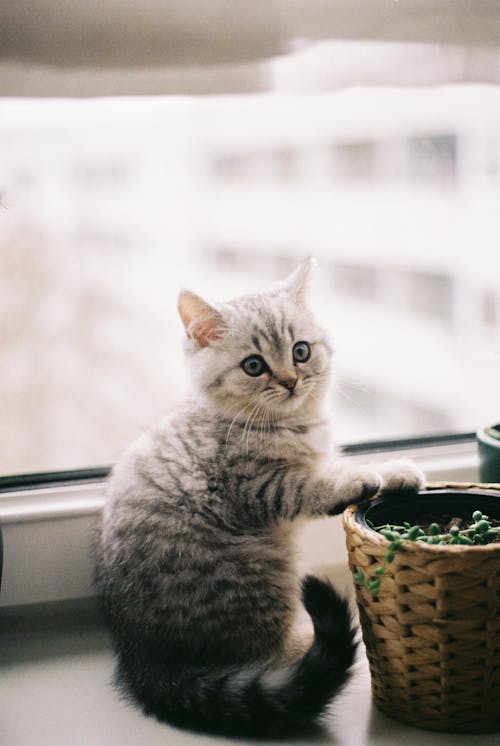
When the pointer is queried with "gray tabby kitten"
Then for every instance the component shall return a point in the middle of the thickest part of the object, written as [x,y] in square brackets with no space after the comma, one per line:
[195,558]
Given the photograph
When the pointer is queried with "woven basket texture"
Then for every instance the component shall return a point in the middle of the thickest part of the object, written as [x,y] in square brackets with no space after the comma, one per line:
[432,635]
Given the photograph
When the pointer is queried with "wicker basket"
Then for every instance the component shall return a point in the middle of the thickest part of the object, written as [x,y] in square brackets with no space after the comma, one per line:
[432,635]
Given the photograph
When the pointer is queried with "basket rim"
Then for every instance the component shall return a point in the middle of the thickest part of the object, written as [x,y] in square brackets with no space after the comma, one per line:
[351,525]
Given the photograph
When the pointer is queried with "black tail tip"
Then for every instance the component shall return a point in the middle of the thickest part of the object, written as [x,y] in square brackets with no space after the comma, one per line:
[330,613]
[320,597]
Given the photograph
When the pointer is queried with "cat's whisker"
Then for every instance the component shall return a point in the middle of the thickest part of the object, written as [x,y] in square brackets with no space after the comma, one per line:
[248,404]
[355,403]
[265,414]
[253,419]
[274,418]
[315,395]
[269,418]
[261,424]
[248,423]
[262,421]
[260,417]
[266,427]
[314,385]
[340,389]
[260,407]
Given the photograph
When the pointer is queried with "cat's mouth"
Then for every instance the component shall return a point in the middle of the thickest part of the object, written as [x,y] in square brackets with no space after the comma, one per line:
[290,399]
[300,396]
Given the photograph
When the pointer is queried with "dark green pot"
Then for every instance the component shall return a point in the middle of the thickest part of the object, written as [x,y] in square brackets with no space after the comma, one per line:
[488,440]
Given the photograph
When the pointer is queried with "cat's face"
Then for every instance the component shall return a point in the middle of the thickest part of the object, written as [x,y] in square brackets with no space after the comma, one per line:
[261,358]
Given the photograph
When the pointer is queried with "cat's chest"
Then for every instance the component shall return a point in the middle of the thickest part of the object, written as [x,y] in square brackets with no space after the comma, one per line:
[316,443]
[309,443]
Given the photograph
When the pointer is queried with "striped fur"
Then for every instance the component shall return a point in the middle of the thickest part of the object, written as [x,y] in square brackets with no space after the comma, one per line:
[195,557]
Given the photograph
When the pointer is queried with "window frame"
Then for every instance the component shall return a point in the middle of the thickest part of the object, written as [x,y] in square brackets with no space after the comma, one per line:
[49,519]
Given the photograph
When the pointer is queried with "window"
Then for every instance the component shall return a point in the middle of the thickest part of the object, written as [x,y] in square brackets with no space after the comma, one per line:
[490,309]
[354,161]
[99,174]
[432,158]
[363,153]
[358,281]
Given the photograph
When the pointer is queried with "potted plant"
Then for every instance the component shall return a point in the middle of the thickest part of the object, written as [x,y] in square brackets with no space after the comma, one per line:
[428,593]
[488,440]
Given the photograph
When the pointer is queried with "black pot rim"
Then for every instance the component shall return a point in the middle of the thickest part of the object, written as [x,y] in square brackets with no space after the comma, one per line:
[483,437]
[427,499]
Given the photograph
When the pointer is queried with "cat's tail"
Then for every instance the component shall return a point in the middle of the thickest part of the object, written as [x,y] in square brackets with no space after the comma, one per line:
[258,700]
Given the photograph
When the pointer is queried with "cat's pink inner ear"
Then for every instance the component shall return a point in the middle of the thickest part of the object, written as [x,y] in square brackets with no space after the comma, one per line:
[202,322]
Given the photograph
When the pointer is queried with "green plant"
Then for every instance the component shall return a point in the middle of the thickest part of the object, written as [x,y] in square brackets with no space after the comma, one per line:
[480,531]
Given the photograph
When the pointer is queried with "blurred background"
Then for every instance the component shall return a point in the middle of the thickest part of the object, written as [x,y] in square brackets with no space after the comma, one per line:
[209,146]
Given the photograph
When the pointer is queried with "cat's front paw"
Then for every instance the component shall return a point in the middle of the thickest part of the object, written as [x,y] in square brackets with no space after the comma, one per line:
[401,475]
[357,485]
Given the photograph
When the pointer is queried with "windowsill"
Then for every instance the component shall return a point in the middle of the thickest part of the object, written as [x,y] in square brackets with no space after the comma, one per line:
[48,531]
[61,662]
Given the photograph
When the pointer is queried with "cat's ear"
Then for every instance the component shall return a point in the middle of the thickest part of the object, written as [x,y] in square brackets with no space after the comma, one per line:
[298,282]
[201,322]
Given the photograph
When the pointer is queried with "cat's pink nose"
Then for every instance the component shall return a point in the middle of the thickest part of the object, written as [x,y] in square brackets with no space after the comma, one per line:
[289,383]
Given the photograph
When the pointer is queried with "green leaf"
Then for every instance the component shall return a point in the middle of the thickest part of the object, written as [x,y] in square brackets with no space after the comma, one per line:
[482,526]
[359,577]
[373,586]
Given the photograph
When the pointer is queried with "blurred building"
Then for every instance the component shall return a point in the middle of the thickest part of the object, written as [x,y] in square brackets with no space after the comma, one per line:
[109,207]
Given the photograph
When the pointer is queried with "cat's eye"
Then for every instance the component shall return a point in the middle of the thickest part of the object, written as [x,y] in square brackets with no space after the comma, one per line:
[254,365]
[301,352]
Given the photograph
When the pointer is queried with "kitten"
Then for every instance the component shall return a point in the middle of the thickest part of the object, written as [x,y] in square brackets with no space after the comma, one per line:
[195,558]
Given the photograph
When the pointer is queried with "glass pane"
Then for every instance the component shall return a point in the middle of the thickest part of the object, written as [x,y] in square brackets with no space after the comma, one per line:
[109,206]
